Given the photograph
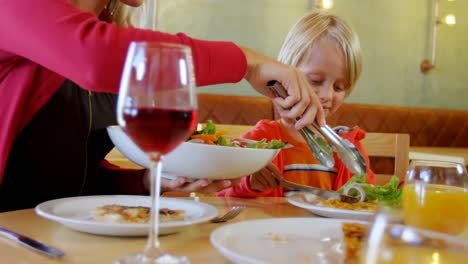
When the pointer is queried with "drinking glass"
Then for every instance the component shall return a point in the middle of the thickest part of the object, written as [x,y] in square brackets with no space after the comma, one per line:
[435,196]
[156,107]
[389,241]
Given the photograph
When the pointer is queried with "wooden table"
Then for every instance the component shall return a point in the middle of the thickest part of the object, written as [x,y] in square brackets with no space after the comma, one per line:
[117,158]
[82,248]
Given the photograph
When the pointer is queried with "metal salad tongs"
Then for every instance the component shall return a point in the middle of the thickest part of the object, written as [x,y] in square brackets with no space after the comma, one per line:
[347,152]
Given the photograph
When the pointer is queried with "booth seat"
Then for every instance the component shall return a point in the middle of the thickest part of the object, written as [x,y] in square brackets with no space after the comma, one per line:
[427,127]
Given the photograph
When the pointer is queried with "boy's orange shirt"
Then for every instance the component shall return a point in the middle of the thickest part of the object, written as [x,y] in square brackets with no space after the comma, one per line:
[300,166]
[297,163]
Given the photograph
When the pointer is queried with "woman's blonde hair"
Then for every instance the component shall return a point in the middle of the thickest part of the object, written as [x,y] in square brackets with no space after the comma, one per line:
[121,14]
[315,25]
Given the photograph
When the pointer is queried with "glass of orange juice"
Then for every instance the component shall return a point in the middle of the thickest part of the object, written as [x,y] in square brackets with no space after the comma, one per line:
[389,241]
[435,196]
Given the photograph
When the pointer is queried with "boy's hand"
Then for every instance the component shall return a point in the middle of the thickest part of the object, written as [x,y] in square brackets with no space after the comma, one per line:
[265,179]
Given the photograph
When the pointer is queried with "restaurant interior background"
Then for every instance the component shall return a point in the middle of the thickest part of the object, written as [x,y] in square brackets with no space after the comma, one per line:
[396,36]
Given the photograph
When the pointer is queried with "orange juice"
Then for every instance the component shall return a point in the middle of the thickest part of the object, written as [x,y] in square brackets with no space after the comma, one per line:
[441,208]
[421,255]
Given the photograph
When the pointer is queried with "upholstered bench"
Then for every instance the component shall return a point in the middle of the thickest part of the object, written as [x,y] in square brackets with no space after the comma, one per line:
[427,127]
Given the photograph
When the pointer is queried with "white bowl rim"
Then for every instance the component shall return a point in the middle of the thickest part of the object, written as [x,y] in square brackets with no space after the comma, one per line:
[202,145]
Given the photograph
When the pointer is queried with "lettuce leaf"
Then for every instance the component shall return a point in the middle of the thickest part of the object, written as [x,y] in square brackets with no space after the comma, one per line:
[210,128]
[388,193]
[222,141]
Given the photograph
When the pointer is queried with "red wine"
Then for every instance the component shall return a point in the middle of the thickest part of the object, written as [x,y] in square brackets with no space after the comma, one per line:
[159,130]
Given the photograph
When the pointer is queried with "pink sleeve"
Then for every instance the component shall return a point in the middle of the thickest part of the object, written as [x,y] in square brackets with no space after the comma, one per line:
[76,45]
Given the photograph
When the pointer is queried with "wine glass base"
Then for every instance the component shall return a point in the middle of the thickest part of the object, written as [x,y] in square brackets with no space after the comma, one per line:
[162,259]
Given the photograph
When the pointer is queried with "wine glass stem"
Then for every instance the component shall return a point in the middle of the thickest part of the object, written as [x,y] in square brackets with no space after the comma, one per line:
[152,248]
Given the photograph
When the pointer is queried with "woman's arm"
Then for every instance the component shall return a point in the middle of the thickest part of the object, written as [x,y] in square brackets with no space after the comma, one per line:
[78,46]
[91,53]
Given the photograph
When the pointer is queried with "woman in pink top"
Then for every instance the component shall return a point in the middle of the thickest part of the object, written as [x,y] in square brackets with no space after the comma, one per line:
[326,49]
[60,64]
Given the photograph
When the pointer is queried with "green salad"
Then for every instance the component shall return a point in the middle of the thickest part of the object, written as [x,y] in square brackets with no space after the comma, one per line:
[389,193]
[210,135]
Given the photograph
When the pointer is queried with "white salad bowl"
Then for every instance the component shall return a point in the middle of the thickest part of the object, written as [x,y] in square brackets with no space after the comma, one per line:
[196,160]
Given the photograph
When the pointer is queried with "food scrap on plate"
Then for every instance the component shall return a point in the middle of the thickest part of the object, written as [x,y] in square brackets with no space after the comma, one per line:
[114,213]
[362,206]
[353,237]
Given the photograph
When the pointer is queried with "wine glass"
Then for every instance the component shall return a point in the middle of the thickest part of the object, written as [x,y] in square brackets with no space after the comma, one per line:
[156,107]
[435,196]
[390,241]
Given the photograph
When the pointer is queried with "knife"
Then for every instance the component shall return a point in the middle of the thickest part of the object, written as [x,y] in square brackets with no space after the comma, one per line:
[31,243]
[319,192]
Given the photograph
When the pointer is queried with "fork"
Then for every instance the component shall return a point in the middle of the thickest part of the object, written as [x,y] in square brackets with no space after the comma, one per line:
[233,212]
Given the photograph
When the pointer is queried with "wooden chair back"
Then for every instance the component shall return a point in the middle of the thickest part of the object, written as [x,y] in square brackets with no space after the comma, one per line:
[436,157]
[389,145]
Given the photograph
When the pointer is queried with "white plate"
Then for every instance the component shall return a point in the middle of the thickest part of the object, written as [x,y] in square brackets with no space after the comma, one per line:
[75,213]
[298,240]
[312,203]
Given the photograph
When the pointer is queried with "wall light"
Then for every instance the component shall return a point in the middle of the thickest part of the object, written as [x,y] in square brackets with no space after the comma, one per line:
[450,19]
[323,4]
[427,65]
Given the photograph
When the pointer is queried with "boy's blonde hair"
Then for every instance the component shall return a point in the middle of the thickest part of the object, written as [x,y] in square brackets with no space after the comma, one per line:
[315,25]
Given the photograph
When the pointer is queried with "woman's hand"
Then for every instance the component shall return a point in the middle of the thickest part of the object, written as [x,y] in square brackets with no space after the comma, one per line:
[302,100]
[265,178]
[182,184]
